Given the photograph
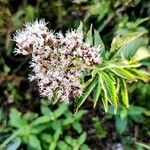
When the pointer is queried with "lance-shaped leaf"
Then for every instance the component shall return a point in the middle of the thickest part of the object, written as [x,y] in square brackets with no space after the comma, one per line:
[140,74]
[80,28]
[123,73]
[105,103]
[141,53]
[98,41]
[89,38]
[128,51]
[87,92]
[109,89]
[124,40]
[124,92]
[97,93]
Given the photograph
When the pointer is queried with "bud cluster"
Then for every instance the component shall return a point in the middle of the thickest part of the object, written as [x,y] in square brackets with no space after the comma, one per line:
[58,60]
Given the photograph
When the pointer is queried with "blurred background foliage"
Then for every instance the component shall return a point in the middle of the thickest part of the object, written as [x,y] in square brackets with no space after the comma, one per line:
[20,103]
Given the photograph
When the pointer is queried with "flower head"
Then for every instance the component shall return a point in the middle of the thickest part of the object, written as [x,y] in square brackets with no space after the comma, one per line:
[57,60]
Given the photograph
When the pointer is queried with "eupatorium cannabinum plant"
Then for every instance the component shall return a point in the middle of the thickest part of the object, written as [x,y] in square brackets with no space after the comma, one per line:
[62,62]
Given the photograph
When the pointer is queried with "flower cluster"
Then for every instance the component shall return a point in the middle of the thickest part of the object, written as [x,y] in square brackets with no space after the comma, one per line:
[57,60]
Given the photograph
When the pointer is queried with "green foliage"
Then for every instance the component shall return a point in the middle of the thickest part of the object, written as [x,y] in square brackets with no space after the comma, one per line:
[100,131]
[125,115]
[111,77]
[49,131]
[126,23]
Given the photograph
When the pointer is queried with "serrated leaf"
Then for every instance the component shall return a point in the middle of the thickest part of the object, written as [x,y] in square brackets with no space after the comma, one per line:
[105,103]
[109,89]
[140,74]
[97,93]
[123,73]
[98,41]
[87,92]
[124,92]
[89,37]
[124,40]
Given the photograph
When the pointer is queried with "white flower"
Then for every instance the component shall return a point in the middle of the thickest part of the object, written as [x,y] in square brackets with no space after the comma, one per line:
[57,60]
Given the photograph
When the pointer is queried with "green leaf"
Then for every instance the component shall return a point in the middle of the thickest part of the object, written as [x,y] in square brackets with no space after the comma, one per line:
[15,145]
[68,121]
[98,41]
[129,50]
[52,146]
[45,110]
[56,124]
[121,124]
[77,127]
[124,40]
[79,114]
[16,120]
[84,147]
[141,53]
[97,93]
[146,146]
[123,112]
[42,119]
[34,143]
[46,137]
[56,135]
[87,92]
[80,28]
[39,128]
[68,140]
[61,110]
[105,103]
[135,110]
[62,145]
[82,138]
[30,116]
[89,38]
[110,90]
[145,62]
[140,74]
[123,73]
[124,92]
